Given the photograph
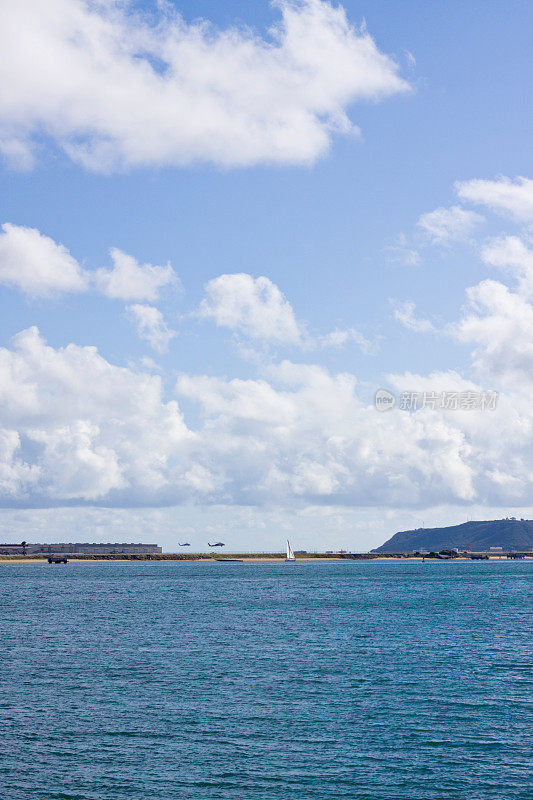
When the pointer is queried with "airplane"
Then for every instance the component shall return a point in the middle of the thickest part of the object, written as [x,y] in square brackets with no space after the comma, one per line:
[216,544]
[184,544]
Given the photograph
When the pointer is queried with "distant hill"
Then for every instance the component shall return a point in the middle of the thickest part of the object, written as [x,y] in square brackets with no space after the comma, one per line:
[511,534]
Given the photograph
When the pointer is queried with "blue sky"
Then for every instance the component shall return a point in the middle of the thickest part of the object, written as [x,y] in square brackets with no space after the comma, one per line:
[342,236]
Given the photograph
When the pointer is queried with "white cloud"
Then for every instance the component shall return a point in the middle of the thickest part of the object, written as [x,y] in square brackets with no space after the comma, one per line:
[500,325]
[504,196]
[497,444]
[36,264]
[342,336]
[405,314]
[14,473]
[498,320]
[511,254]
[39,266]
[446,225]
[305,434]
[115,91]
[252,306]
[129,280]
[151,326]
[76,463]
[251,400]
[256,308]
[80,428]
[311,437]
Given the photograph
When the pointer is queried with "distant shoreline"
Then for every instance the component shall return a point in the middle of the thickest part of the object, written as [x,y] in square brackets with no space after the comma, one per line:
[191,560]
[206,559]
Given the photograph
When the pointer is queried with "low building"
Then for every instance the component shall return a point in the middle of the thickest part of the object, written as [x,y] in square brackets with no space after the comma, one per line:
[81,548]
[12,550]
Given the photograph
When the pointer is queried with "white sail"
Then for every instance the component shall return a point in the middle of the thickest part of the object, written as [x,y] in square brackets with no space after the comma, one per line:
[290,554]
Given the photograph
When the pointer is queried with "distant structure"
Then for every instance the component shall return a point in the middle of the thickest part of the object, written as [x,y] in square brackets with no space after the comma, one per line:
[83,548]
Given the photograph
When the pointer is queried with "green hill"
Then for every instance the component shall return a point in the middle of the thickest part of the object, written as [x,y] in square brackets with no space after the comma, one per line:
[511,534]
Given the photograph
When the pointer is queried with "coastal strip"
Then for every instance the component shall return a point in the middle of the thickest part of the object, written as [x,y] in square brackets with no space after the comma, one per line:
[259,557]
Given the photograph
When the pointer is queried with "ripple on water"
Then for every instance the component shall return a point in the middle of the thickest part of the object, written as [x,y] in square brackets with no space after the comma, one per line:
[332,680]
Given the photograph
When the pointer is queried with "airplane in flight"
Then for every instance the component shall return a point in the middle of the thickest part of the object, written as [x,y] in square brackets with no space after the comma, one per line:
[184,544]
[216,544]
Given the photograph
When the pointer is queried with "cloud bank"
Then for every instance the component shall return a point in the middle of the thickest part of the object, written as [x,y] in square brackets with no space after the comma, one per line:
[77,429]
[116,91]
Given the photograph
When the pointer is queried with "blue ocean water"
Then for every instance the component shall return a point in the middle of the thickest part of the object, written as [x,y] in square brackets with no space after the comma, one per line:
[307,681]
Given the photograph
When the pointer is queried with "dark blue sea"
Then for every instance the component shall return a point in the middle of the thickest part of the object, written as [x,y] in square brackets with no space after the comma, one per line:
[307,681]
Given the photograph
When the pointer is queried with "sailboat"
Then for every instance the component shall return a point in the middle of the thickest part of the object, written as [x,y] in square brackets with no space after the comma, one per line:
[290,554]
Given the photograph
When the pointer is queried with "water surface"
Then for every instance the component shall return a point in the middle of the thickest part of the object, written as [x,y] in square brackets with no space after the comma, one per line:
[307,681]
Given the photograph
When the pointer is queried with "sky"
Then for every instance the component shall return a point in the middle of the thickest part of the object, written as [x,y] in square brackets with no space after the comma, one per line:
[224,228]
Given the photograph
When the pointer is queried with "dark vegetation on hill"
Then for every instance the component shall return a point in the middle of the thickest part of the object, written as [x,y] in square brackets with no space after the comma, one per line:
[510,534]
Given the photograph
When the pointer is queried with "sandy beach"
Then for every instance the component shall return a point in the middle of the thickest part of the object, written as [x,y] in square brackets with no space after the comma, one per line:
[238,558]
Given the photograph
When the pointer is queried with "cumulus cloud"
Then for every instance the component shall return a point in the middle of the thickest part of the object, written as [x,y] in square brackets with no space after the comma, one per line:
[305,433]
[40,267]
[151,326]
[15,474]
[498,319]
[446,225]
[404,313]
[497,443]
[253,306]
[504,196]
[310,436]
[129,280]
[256,308]
[499,323]
[115,91]
[511,254]
[36,264]
[78,428]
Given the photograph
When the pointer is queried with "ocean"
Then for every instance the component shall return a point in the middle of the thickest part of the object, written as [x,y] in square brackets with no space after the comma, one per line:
[306,681]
